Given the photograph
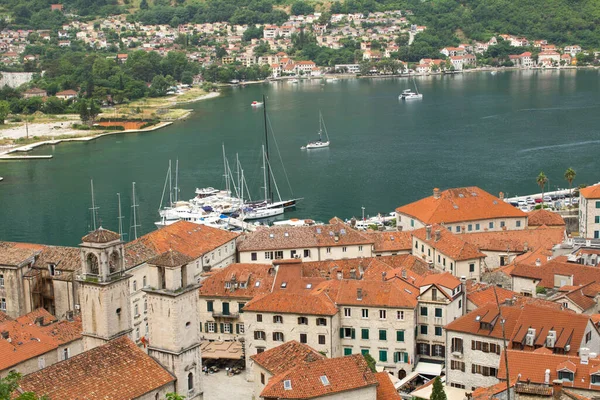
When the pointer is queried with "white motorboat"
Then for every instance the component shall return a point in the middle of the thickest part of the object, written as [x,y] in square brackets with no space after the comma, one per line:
[320,143]
[292,80]
[408,94]
[256,103]
[260,213]
[295,222]
[202,193]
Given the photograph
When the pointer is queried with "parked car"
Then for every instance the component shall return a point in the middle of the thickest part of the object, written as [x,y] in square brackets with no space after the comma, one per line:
[529,200]
[547,199]
[538,201]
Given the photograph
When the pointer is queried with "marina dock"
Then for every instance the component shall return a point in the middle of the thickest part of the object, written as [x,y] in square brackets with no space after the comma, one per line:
[17,158]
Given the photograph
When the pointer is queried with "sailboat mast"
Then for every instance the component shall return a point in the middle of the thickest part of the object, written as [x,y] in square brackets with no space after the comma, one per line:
[94,208]
[225,169]
[170,186]
[134,206]
[265,172]
[120,217]
[266,149]
[176,180]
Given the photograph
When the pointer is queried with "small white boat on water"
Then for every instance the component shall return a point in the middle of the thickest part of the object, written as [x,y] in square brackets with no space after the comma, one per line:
[250,214]
[320,143]
[256,103]
[295,222]
[408,94]
[493,72]
[292,80]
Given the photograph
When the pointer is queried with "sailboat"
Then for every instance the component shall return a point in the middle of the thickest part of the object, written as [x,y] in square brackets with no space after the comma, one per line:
[319,143]
[268,202]
[410,95]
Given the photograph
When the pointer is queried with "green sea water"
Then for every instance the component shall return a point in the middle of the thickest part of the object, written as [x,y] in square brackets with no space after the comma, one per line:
[493,131]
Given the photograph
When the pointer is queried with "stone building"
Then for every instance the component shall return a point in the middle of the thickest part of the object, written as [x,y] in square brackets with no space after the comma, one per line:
[461,210]
[589,212]
[475,341]
[223,295]
[334,241]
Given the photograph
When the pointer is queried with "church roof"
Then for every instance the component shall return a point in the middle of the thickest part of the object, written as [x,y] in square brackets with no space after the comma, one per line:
[101,235]
[170,259]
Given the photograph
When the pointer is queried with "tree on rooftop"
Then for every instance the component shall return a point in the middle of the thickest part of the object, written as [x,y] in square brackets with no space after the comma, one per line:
[570,177]
[541,181]
[437,393]
[174,396]
[370,362]
[10,384]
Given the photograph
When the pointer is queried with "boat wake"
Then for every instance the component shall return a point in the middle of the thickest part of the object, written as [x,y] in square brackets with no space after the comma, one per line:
[560,146]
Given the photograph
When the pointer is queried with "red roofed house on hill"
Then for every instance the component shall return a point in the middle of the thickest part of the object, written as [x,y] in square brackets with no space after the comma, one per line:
[589,212]
[468,209]
[475,340]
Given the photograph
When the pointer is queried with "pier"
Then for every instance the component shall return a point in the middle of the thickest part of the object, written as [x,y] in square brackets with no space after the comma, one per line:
[17,158]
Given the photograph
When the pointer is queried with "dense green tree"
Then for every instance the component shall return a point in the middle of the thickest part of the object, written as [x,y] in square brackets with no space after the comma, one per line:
[9,386]
[4,110]
[187,78]
[159,85]
[370,362]
[302,8]
[437,392]
[253,32]
[570,177]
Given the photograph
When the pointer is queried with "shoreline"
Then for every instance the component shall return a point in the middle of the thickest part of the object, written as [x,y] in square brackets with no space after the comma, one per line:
[85,137]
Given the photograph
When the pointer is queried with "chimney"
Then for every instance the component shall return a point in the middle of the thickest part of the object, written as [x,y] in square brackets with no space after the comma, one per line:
[538,262]
[4,334]
[383,274]
[525,247]
[428,232]
[438,235]
[547,377]
[359,294]
[501,195]
[339,275]
[436,193]
[557,389]
[353,274]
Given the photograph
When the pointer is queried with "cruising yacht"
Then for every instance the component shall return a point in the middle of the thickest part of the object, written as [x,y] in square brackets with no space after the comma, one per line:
[408,94]
[320,143]
[260,213]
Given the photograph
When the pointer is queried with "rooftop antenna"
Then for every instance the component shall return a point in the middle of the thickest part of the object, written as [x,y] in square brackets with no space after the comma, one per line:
[94,209]
[120,218]
[134,206]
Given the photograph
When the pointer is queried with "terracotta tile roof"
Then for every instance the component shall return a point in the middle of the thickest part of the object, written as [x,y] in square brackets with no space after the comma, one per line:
[449,244]
[490,392]
[285,237]
[40,314]
[310,303]
[130,372]
[574,396]
[544,217]
[391,241]
[590,192]
[569,327]
[16,254]
[445,279]
[532,366]
[407,261]
[386,389]
[101,235]
[583,296]
[460,204]
[170,259]
[559,266]
[374,293]
[257,280]
[480,294]
[185,237]
[65,331]
[66,259]
[4,317]
[343,374]
[286,356]
[516,241]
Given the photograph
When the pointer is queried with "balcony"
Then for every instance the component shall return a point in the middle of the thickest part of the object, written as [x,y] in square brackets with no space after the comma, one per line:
[217,314]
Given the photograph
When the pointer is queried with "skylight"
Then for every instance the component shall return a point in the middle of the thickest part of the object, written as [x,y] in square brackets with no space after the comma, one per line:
[343,231]
[324,380]
[283,285]
[271,235]
[287,384]
[318,230]
[308,285]
[257,284]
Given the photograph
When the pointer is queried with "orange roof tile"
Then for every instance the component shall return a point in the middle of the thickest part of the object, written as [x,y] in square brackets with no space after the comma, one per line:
[460,204]
[544,217]
[445,279]
[343,374]
[130,371]
[480,294]
[532,366]
[373,293]
[487,393]
[101,235]
[391,241]
[187,238]
[590,192]
[386,389]
[559,266]
[311,303]
[257,280]
[515,240]
[4,317]
[449,244]
[286,356]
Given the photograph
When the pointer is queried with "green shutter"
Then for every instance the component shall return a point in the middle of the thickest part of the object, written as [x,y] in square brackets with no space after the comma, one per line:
[347,351]
[206,327]
[364,333]
[396,357]
[353,336]
[400,336]
[341,333]
[382,334]
[209,306]
[383,355]
[406,357]
[237,328]
[222,330]
[200,326]
[364,351]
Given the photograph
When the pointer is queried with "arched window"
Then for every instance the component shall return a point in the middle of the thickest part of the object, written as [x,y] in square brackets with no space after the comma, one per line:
[92,264]
[114,264]
[190,382]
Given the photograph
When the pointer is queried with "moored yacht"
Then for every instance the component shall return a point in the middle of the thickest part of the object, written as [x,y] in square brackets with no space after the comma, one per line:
[320,143]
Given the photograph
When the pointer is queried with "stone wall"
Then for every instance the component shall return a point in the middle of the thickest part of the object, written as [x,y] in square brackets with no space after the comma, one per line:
[15,79]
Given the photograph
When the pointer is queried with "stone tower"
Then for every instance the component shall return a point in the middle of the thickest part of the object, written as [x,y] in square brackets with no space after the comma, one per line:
[104,295]
[173,322]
